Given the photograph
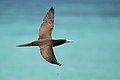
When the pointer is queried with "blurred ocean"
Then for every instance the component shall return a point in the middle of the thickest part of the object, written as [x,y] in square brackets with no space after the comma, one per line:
[94,25]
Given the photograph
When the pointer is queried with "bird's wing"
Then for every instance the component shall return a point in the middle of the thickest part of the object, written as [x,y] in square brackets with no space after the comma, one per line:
[47,53]
[46,28]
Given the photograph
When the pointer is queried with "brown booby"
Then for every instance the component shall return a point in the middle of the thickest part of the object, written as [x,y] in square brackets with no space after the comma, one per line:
[45,41]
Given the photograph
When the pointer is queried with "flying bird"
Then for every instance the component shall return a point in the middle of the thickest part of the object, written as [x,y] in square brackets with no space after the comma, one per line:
[45,41]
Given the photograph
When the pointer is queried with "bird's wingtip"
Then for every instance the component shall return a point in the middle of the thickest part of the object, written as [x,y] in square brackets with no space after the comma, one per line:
[52,8]
[59,64]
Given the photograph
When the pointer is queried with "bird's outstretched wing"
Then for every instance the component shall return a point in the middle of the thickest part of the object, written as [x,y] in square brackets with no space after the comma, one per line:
[45,32]
[46,28]
[48,54]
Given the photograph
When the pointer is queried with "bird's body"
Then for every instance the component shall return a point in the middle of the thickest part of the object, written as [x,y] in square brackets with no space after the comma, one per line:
[45,41]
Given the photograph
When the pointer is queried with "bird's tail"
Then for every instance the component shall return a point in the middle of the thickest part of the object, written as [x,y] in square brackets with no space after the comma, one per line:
[24,45]
[28,44]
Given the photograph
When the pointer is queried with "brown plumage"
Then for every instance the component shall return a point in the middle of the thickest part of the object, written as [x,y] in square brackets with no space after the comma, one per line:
[45,41]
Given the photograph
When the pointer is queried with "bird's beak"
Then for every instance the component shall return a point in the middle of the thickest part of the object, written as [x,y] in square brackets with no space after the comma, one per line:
[69,41]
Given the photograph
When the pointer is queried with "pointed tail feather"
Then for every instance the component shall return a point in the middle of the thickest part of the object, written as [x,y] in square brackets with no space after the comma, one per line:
[34,43]
[24,45]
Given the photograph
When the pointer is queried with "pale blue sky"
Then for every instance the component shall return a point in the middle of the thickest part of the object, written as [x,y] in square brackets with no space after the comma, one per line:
[92,24]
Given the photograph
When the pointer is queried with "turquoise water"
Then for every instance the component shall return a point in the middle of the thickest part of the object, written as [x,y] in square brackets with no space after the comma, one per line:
[93,25]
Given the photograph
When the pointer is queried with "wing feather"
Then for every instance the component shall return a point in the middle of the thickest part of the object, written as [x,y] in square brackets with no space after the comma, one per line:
[47,52]
[45,32]
[47,26]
